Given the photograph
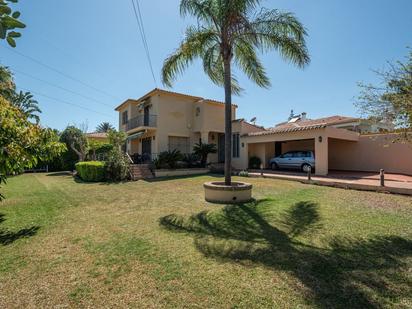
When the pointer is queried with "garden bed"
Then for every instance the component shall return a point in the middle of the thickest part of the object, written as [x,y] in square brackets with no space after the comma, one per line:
[180,172]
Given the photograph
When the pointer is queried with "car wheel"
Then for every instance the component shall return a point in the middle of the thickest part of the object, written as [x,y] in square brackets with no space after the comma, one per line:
[306,167]
[274,166]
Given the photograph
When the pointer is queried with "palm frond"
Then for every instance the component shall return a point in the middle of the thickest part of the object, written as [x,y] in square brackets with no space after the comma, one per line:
[214,68]
[279,31]
[281,23]
[248,61]
[202,10]
[104,127]
[27,104]
[233,30]
[192,47]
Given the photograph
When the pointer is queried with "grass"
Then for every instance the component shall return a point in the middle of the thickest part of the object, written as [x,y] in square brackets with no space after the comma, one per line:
[159,244]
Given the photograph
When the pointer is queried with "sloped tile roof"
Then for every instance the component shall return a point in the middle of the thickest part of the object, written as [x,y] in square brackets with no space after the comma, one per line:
[158,90]
[96,135]
[310,124]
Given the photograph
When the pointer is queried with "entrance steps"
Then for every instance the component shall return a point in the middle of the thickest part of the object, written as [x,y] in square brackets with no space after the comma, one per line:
[140,171]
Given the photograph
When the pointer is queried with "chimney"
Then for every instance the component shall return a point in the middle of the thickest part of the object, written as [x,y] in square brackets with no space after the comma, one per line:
[303,116]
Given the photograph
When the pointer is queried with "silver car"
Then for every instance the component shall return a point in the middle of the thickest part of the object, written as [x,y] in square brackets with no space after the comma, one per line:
[302,160]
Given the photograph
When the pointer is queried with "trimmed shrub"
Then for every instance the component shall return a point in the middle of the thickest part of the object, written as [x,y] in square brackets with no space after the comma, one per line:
[117,165]
[91,170]
[168,159]
[254,162]
[192,160]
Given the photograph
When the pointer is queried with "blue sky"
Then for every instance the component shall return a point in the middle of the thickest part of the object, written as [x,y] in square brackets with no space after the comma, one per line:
[97,43]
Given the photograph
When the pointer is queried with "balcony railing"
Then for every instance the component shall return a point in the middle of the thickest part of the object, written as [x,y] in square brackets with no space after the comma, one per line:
[142,121]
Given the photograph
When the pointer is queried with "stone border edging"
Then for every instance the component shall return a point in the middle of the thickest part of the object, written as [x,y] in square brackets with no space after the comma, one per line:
[219,186]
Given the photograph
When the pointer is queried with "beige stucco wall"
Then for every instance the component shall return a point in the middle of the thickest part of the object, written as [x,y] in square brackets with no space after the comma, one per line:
[371,153]
[308,145]
[179,116]
[242,128]
[263,146]
[174,118]
[257,145]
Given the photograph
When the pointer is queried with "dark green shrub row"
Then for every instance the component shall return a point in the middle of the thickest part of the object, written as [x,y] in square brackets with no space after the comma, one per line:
[91,170]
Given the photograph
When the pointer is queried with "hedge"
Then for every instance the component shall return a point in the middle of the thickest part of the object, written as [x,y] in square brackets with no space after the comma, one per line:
[91,170]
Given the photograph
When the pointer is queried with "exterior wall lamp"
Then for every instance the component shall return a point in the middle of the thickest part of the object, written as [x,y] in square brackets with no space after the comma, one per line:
[320,139]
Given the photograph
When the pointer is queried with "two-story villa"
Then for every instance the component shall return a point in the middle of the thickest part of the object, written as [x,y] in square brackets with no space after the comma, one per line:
[163,120]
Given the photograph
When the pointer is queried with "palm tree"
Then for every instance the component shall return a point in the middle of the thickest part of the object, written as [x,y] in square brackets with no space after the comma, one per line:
[203,150]
[104,127]
[233,31]
[27,104]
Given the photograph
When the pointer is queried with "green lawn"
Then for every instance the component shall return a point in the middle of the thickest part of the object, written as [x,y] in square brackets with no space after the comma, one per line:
[158,244]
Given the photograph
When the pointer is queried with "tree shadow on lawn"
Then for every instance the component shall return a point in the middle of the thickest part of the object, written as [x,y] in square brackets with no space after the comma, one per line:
[8,237]
[346,273]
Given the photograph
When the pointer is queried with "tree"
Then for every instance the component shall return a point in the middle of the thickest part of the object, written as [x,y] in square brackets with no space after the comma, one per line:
[117,139]
[203,150]
[233,31]
[392,99]
[22,100]
[27,104]
[6,81]
[76,140]
[22,143]
[117,163]
[104,127]
[9,21]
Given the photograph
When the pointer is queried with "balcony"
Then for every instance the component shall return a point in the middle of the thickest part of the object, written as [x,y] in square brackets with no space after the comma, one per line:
[142,121]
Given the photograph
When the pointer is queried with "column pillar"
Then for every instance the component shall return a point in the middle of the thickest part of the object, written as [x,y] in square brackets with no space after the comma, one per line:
[244,155]
[205,137]
[321,155]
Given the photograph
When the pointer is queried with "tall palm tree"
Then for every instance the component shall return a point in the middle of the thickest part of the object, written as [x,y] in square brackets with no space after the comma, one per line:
[234,31]
[104,127]
[27,104]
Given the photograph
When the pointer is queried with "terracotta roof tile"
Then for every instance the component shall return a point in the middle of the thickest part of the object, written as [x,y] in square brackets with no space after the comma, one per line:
[310,124]
[96,135]
[158,90]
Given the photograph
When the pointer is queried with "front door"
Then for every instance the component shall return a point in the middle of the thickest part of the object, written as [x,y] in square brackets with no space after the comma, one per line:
[147,147]
[221,148]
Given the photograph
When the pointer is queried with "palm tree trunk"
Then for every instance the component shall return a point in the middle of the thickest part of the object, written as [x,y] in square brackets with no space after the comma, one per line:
[228,122]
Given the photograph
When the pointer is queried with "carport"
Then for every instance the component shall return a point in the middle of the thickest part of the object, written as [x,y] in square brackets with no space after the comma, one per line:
[267,144]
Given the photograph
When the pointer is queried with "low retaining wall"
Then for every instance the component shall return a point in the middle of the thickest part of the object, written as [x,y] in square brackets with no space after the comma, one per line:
[181,172]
